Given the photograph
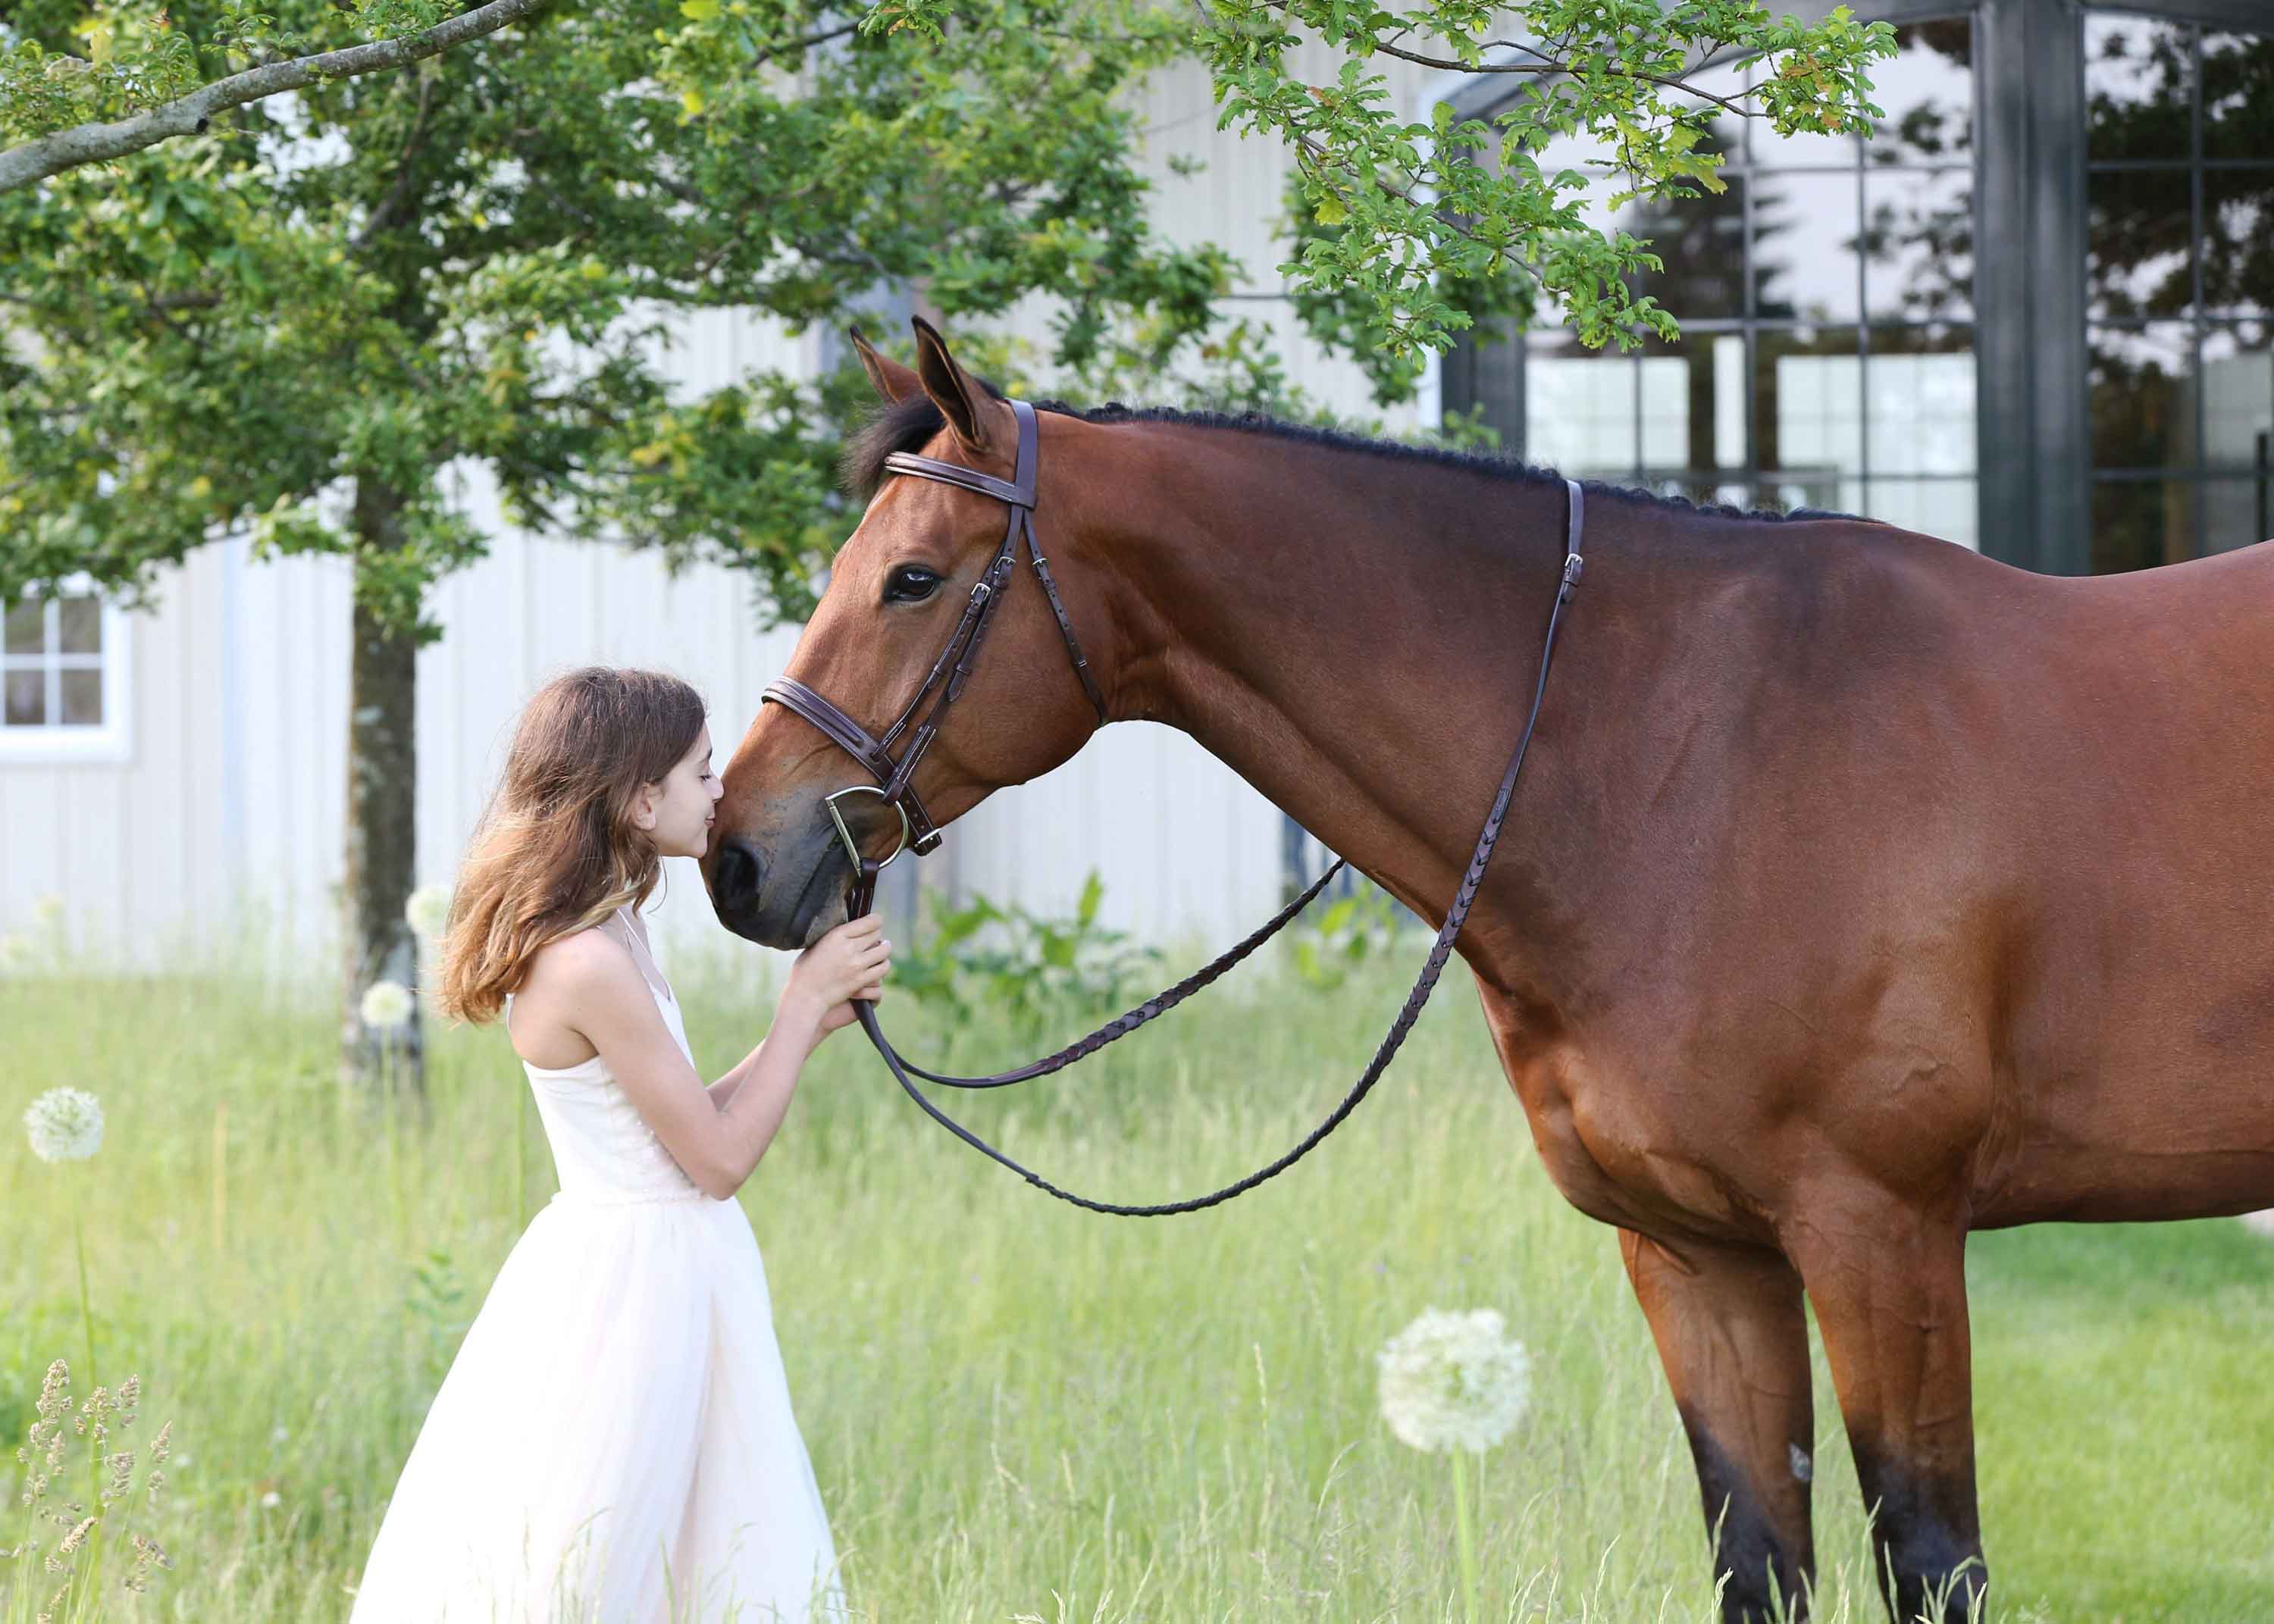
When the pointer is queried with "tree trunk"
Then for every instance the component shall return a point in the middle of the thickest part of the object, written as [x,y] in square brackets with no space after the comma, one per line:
[382,803]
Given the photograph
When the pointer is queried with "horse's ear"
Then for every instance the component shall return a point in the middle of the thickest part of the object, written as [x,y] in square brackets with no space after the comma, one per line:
[892,380]
[969,409]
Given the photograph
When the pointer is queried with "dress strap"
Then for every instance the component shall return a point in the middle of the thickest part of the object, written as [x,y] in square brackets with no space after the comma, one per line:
[639,952]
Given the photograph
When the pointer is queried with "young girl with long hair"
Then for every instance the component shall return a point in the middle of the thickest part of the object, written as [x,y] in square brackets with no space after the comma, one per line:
[614,1443]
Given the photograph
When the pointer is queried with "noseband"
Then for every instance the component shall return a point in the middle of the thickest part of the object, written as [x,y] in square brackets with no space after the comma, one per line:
[918,834]
[895,783]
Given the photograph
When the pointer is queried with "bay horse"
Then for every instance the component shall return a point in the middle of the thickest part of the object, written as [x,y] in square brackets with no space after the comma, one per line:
[1860,892]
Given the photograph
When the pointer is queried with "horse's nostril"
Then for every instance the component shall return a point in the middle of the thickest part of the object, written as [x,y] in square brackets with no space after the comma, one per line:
[735,881]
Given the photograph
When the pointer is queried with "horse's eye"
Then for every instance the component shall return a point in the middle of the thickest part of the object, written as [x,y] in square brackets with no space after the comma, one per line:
[911,584]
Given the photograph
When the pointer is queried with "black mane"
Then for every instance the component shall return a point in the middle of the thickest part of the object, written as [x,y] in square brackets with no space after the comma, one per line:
[909,425]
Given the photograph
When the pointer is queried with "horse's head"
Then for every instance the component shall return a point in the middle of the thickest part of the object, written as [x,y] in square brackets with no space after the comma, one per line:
[897,592]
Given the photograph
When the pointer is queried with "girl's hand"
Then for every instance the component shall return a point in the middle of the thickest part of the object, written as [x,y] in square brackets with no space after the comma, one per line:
[850,962]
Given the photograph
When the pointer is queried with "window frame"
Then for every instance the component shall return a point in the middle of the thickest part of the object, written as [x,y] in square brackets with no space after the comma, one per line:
[109,740]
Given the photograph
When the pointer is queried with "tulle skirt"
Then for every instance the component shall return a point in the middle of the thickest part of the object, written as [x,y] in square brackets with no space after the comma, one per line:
[613,1443]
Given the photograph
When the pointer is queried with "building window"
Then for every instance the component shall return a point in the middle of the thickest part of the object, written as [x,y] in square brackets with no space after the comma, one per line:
[64,679]
[2180,288]
[1826,301]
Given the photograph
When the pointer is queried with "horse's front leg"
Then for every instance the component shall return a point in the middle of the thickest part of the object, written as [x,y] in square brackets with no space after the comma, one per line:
[1888,1280]
[1734,1340]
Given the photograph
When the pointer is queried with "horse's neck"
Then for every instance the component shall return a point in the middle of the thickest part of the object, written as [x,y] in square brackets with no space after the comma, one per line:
[1356,636]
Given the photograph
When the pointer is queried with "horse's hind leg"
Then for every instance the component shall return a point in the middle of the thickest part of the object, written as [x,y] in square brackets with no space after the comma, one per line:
[1733,1338]
[1889,1286]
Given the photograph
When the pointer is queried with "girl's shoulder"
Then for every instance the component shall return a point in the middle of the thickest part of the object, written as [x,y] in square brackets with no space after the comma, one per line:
[559,979]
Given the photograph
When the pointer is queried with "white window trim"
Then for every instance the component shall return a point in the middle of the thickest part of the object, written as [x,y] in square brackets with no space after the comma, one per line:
[111,740]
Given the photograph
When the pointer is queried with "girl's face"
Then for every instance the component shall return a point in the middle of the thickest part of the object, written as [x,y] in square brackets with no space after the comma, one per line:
[676,810]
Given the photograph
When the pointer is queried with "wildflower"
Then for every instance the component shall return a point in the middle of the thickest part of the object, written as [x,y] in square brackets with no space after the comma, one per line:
[49,910]
[428,910]
[387,1003]
[66,1124]
[1452,1380]
[271,1499]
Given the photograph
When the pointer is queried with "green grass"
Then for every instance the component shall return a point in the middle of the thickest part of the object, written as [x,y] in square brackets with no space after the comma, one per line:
[1018,1410]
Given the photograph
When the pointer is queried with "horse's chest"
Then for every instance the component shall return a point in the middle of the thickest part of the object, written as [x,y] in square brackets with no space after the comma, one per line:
[1624,1152]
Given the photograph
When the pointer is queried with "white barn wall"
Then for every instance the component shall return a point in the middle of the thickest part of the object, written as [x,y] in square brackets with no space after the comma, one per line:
[229,810]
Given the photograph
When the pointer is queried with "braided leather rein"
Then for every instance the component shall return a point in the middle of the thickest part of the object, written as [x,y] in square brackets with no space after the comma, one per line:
[919,834]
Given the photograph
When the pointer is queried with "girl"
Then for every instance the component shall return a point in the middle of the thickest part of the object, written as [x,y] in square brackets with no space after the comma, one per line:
[614,1443]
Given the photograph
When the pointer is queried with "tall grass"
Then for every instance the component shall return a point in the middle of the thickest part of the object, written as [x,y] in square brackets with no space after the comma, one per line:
[1021,1411]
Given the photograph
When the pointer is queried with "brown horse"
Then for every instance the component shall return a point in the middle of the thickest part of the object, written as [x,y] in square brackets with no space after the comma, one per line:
[1860,892]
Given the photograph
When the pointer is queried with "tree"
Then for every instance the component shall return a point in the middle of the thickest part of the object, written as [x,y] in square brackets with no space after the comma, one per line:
[124,101]
[294,323]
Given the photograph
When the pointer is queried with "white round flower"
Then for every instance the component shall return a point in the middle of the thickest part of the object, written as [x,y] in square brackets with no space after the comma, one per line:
[1453,1380]
[14,952]
[66,1126]
[47,909]
[428,910]
[387,1003]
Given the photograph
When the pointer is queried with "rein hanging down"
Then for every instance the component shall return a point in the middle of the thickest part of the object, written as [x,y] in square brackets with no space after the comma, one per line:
[895,787]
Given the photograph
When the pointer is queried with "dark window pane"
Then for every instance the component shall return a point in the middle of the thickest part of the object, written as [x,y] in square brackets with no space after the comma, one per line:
[1700,241]
[2138,523]
[1919,245]
[1950,509]
[82,698]
[1928,90]
[1918,401]
[27,628]
[82,626]
[1805,237]
[2139,88]
[2238,385]
[2238,90]
[2238,250]
[2139,237]
[1808,404]
[2143,412]
[1580,408]
[27,698]
[1693,414]
[2237,512]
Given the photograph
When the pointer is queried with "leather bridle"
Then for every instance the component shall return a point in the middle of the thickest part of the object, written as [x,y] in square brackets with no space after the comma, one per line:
[895,787]
[896,780]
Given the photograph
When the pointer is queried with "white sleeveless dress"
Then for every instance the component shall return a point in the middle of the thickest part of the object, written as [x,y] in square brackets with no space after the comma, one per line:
[614,1443]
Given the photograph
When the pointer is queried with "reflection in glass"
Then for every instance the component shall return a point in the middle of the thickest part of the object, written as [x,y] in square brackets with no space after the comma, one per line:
[2139,89]
[82,698]
[1701,243]
[27,699]
[27,628]
[2238,250]
[82,626]
[2238,395]
[2143,416]
[2237,512]
[1805,235]
[2138,523]
[2238,94]
[1919,245]
[1808,404]
[1767,150]
[1579,411]
[2139,237]
[1927,89]
[1949,508]
[1918,401]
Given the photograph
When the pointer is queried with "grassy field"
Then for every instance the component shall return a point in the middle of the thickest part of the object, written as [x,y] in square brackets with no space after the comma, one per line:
[1021,1411]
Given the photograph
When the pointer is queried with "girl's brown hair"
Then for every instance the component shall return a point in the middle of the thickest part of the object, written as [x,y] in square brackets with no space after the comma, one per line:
[556,850]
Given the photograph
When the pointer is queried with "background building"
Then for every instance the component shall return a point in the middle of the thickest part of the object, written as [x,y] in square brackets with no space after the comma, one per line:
[2030,315]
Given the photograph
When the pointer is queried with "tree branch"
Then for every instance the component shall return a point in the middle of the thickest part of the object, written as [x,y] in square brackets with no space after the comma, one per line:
[93,143]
